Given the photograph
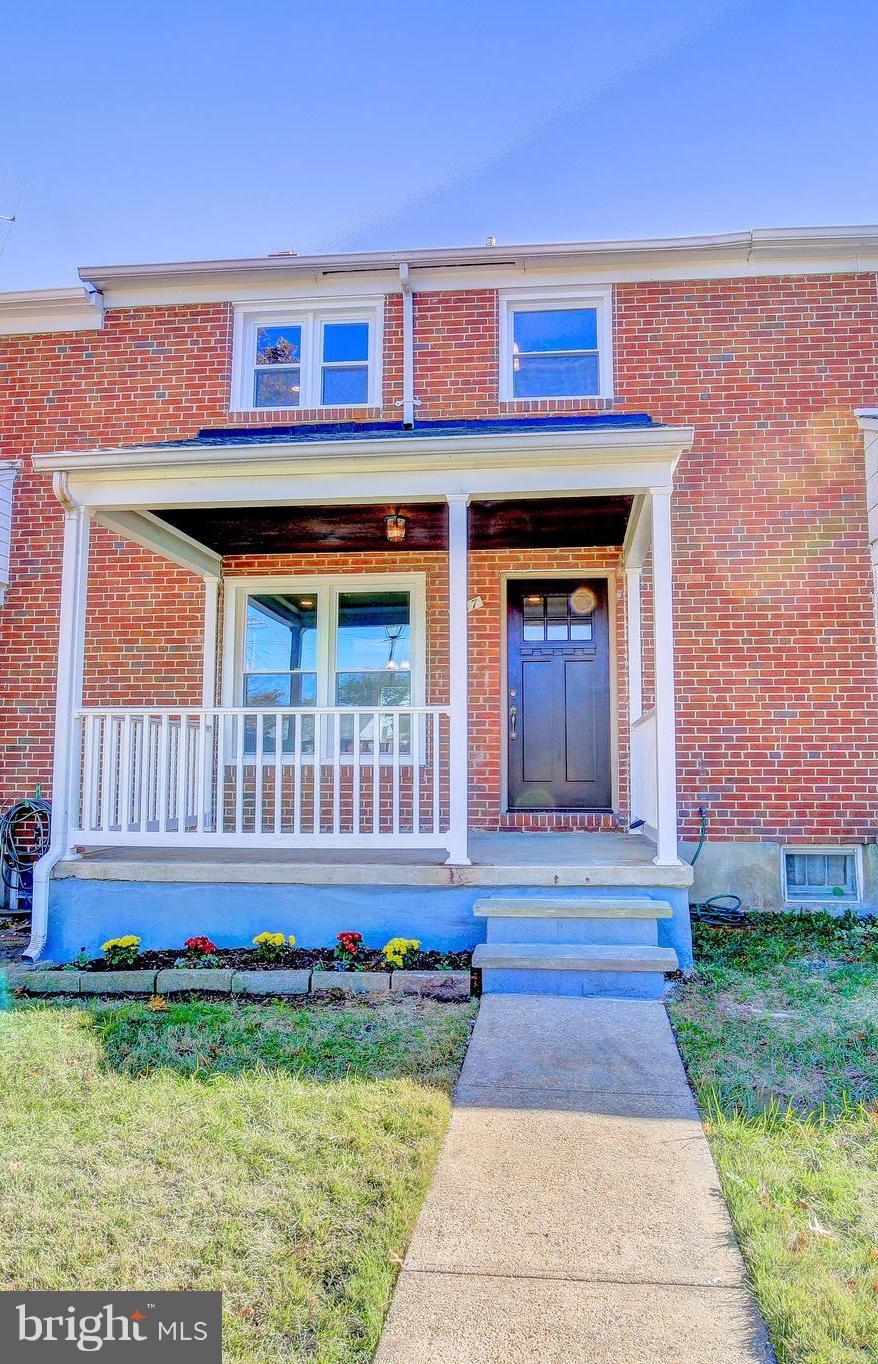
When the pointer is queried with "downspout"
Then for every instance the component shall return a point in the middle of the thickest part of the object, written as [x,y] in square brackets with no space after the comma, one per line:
[74,571]
[408,346]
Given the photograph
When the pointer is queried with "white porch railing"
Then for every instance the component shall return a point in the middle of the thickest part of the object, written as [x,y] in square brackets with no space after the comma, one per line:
[241,777]
[644,770]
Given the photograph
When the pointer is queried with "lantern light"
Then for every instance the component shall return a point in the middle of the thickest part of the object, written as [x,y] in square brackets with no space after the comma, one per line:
[394,527]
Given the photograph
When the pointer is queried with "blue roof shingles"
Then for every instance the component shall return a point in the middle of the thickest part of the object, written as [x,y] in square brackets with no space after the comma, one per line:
[303,434]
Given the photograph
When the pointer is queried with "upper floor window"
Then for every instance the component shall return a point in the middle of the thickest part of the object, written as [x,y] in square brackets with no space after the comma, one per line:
[555,346]
[287,357]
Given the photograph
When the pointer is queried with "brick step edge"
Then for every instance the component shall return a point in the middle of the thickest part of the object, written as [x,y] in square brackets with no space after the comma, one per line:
[448,985]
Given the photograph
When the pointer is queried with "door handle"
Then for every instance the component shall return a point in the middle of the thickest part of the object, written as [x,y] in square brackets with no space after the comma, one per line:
[513,719]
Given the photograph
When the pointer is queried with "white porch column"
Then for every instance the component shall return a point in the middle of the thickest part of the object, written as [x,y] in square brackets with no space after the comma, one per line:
[68,698]
[633,624]
[208,665]
[663,632]
[458,518]
[71,654]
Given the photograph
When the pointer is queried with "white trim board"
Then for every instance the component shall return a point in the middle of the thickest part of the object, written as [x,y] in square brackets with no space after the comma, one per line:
[50,310]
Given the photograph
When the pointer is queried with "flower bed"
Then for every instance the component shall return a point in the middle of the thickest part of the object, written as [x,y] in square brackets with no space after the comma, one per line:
[274,965]
[295,958]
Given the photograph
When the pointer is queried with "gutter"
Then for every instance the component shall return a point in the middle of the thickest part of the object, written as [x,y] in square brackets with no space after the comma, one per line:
[408,346]
[823,243]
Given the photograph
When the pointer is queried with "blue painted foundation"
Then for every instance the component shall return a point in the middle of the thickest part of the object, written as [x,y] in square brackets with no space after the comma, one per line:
[84,914]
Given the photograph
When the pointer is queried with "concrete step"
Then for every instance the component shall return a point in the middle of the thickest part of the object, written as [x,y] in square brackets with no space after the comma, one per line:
[571,907]
[574,920]
[574,957]
[617,971]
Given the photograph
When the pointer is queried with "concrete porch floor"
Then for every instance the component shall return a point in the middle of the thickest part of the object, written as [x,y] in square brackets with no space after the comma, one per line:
[539,859]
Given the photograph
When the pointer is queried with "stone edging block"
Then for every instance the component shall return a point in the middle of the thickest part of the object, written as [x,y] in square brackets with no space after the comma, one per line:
[210,979]
[117,982]
[350,982]
[434,984]
[47,982]
[271,982]
[447,985]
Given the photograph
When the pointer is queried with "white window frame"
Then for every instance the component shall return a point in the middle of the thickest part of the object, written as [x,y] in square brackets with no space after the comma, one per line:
[326,588]
[549,300]
[9,469]
[311,315]
[822,849]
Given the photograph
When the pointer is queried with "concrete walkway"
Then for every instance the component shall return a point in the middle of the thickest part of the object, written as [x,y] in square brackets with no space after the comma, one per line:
[575,1216]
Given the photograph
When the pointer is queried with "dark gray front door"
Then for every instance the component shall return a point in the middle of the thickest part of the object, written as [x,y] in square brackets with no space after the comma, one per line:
[558,694]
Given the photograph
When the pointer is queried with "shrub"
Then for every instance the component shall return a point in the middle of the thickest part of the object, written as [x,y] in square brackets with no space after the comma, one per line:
[121,951]
[401,953]
[273,946]
[349,948]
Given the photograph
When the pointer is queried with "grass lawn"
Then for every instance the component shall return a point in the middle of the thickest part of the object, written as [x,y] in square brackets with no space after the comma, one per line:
[278,1153]
[779,1032]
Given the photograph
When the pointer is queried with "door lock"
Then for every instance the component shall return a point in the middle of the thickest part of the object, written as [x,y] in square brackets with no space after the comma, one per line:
[513,719]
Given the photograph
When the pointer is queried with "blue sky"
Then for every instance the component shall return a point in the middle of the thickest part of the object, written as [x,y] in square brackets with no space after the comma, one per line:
[177,130]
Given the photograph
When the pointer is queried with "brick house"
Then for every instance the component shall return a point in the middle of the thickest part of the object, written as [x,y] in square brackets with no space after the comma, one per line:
[452,593]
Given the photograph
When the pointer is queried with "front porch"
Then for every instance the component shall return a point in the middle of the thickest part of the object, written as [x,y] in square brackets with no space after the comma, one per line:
[533,859]
[313,773]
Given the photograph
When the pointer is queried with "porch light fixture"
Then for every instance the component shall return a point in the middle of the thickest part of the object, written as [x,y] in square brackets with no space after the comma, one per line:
[394,528]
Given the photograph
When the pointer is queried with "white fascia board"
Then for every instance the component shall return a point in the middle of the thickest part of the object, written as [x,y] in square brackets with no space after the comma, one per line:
[50,310]
[729,255]
[346,472]
[285,489]
[526,447]
[867,418]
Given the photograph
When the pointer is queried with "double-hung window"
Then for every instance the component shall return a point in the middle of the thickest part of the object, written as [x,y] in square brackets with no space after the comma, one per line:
[355,645]
[301,357]
[555,346]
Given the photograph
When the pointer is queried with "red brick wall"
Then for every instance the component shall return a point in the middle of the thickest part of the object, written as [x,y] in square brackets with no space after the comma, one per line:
[775,639]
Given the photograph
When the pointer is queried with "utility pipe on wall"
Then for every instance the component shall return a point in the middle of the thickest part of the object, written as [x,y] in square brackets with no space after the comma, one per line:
[408,346]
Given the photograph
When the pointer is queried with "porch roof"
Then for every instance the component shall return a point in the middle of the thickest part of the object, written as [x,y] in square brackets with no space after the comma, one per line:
[307,433]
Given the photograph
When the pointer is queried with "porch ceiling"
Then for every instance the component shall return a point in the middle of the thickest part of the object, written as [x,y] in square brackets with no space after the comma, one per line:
[542,523]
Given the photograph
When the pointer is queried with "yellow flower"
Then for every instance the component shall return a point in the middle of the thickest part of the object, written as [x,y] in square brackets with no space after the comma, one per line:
[397,950]
[129,940]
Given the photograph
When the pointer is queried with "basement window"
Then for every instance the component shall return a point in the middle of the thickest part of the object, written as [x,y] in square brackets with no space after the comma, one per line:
[289,357]
[830,874]
[555,345]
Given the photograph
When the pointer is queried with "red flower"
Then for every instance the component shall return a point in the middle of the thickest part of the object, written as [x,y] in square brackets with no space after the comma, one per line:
[201,945]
